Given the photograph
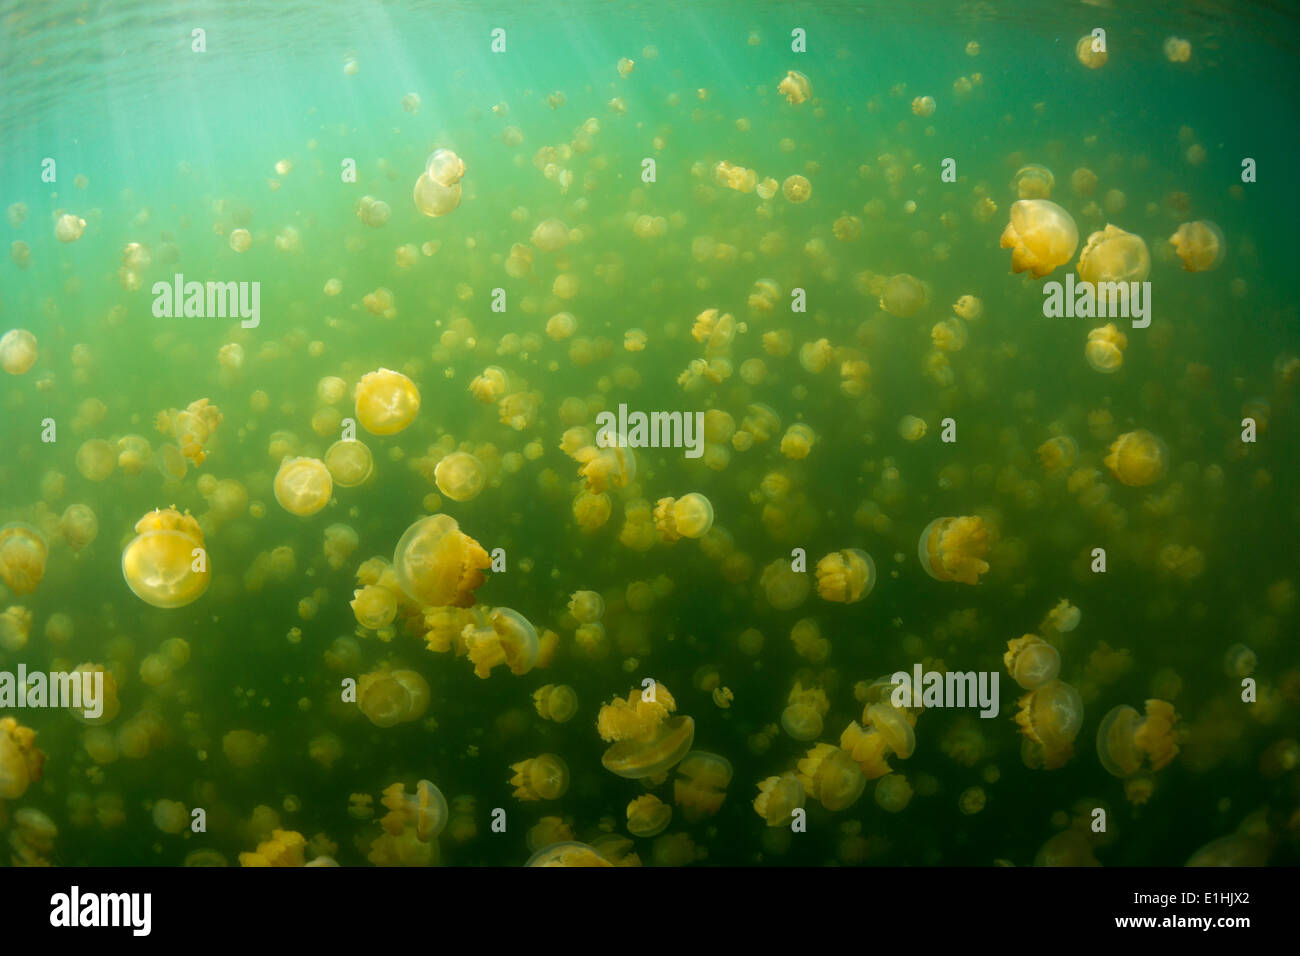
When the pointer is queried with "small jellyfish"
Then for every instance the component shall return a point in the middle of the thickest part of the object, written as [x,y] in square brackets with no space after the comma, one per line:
[1137,458]
[794,86]
[386,402]
[1031,661]
[893,793]
[1091,51]
[784,588]
[439,565]
[692,515]
[557,702]
[1041,236]
[17,351]
[653,752]
[460,476]
[912,428]
[587,607]
[797,441]
[1057,455]
[502,637]
[445,168]
[21,763]
[303,486]
[68,228]
[389,697]
[1177,50]
[778,798]
[568,855]
[1105,348]
[1113,255]
[796,189]
[1199,245]
[903,295]
[434,199]
[923,106]
[350,463]
[648,816]
[1034,182]
[374,606]
[544,777]
[165,564]
[1128,742]
[1050,717]
[23,551]
[831,776]
[701,784]
[953,549]
[846,576]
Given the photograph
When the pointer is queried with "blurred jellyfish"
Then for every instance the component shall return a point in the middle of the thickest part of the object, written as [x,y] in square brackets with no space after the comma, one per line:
[1199,245]
[846,576]
[1041,236]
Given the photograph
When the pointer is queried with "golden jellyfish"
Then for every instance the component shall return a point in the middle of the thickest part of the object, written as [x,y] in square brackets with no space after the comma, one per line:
[1050,717]
[701,784]
[903,295]
[1031,661]
[303,486]
[830,776]
[426,809]
[1113,255]
[389,697]
[1091,51]
[1199,245]
[797,441]
[22,557]
[460,476]
[796,189]
[17,351]
[953,549]
[1177,50]
[645,740]
[587,607]
[1034,182]
[648,816]
[340,541]
[445,167]
[846,576]
[692,515]
[567,855]
[784,588]
[544,777]
[284,848]
[1137,458]
[387,402]
[794,86]
[68,227]
[241,240]
[893,793]
[923,106]
[557,702]
[503,636]
[1105,348]
[21,763]
[166,564]
[244,748]
[349,462]
[778,799]
[374,606]
[912,428]
[1128,742]
[1041,236]
[1057,455]
[805,708]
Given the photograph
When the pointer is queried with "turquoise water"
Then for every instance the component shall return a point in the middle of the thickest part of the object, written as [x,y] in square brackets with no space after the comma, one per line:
[163,154]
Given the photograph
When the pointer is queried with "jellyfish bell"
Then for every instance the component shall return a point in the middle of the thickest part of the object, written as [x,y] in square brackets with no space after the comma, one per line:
[832,777]
[444,167]
[1200,246]
[846,576]
[386,402]
[903,295]
[778,798]
[1115,748]
[1041,236]
[460,476]
[165,564]
[1034,182]
[502,636]
[434,199]
[1137,458]
[570,854]
[1031,661]
[648,816]
[693,515]
[303,486]
[952,549]
[1113,255]
[439,565]
[17,351]
[350,463]
[636,759]
[1105,348]
[23,551]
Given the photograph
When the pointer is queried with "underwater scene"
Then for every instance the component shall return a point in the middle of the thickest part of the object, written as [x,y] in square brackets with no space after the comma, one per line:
[649,434]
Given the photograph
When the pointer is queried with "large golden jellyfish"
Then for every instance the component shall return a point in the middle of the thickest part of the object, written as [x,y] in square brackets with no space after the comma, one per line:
[701,784]
[1041,236]
[644,740]
[1137,458]
[1199,245]
[846,576]
[460,476]
[831,776]
[21,762]
[888,730]
[1105,348]
[1031,661]
[1049,717]
[778,798]
[503,636]
[17,351]
[387,402]
[1113,255]
[166,564]
[439,565]
[303,486]
[437,191]
[690,516]
[953,549]
[22,557]
[569,854]
[544,777]
[391,697]
[1127,742]
[349,462]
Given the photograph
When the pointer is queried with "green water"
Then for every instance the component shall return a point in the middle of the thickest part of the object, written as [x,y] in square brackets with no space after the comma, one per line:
[157,143]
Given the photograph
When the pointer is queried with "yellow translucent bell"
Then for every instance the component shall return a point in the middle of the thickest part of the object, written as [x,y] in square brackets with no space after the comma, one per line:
[387,402]
[303,486]
[165,564]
